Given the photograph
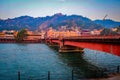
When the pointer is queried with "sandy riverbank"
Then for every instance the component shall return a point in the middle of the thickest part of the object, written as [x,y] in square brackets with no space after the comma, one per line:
[110,77]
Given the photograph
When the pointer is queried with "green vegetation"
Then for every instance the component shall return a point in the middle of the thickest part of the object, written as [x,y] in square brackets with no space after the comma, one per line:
[21,35]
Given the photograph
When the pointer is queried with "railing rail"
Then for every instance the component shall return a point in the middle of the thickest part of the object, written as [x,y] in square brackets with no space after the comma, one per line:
[49,75]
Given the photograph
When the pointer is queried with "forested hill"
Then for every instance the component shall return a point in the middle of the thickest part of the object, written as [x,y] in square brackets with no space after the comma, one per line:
[108,23]
[54,21]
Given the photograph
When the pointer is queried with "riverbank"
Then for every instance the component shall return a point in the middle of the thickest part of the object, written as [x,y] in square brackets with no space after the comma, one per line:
[24,41]
[110,77]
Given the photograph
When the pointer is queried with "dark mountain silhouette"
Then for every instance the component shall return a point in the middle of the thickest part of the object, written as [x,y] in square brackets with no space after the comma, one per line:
[54,21]
[58,20]
[108,23]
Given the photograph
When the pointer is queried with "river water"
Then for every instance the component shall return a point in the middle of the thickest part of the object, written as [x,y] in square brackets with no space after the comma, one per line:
[35,60]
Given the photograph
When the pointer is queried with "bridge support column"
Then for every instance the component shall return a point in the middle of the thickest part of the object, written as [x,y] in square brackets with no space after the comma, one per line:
[68,49]
[51,44]
[48,41]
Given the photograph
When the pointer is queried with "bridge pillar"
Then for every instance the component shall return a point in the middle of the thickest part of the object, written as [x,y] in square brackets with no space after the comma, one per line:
[51,43]
[48,41]
[68,49]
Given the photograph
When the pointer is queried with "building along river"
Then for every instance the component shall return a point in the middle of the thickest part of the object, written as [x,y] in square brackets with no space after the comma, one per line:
[35,60]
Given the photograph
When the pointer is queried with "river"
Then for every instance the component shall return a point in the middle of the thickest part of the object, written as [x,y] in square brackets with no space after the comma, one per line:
[35,60]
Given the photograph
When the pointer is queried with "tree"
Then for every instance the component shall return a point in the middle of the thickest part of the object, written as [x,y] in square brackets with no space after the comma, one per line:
[21,35]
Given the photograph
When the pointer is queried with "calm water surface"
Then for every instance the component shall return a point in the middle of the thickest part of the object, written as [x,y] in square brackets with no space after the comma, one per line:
[35,60]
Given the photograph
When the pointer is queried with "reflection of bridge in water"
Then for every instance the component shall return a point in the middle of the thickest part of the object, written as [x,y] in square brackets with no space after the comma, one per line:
[110,44]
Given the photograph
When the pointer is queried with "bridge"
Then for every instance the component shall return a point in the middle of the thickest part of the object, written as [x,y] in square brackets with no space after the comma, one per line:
[109,44]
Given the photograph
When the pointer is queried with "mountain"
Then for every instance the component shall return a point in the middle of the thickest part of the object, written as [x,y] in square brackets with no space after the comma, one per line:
[54,21]
[58,20]
[108,23]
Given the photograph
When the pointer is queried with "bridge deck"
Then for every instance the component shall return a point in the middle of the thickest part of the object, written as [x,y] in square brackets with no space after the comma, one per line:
[110,44]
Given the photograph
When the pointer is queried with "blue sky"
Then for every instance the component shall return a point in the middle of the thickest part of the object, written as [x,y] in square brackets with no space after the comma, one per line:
[93,9]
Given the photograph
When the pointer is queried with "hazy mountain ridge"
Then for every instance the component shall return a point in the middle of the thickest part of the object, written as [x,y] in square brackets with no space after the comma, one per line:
[108,23]
[54,21]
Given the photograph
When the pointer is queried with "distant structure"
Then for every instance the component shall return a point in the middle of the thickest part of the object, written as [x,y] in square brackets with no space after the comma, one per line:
[105,17]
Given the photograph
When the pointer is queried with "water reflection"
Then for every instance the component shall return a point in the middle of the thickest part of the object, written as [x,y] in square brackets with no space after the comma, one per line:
[91,63]
[102,59]
[35,60]
[80,66]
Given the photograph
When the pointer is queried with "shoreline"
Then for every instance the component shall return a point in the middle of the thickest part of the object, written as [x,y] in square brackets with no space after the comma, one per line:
[114,76]
[25,41]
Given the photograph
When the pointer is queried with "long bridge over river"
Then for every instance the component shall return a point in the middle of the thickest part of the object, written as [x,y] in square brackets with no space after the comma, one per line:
[109,44]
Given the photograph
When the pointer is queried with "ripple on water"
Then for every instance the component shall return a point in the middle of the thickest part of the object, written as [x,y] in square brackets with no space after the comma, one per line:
[35,60]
